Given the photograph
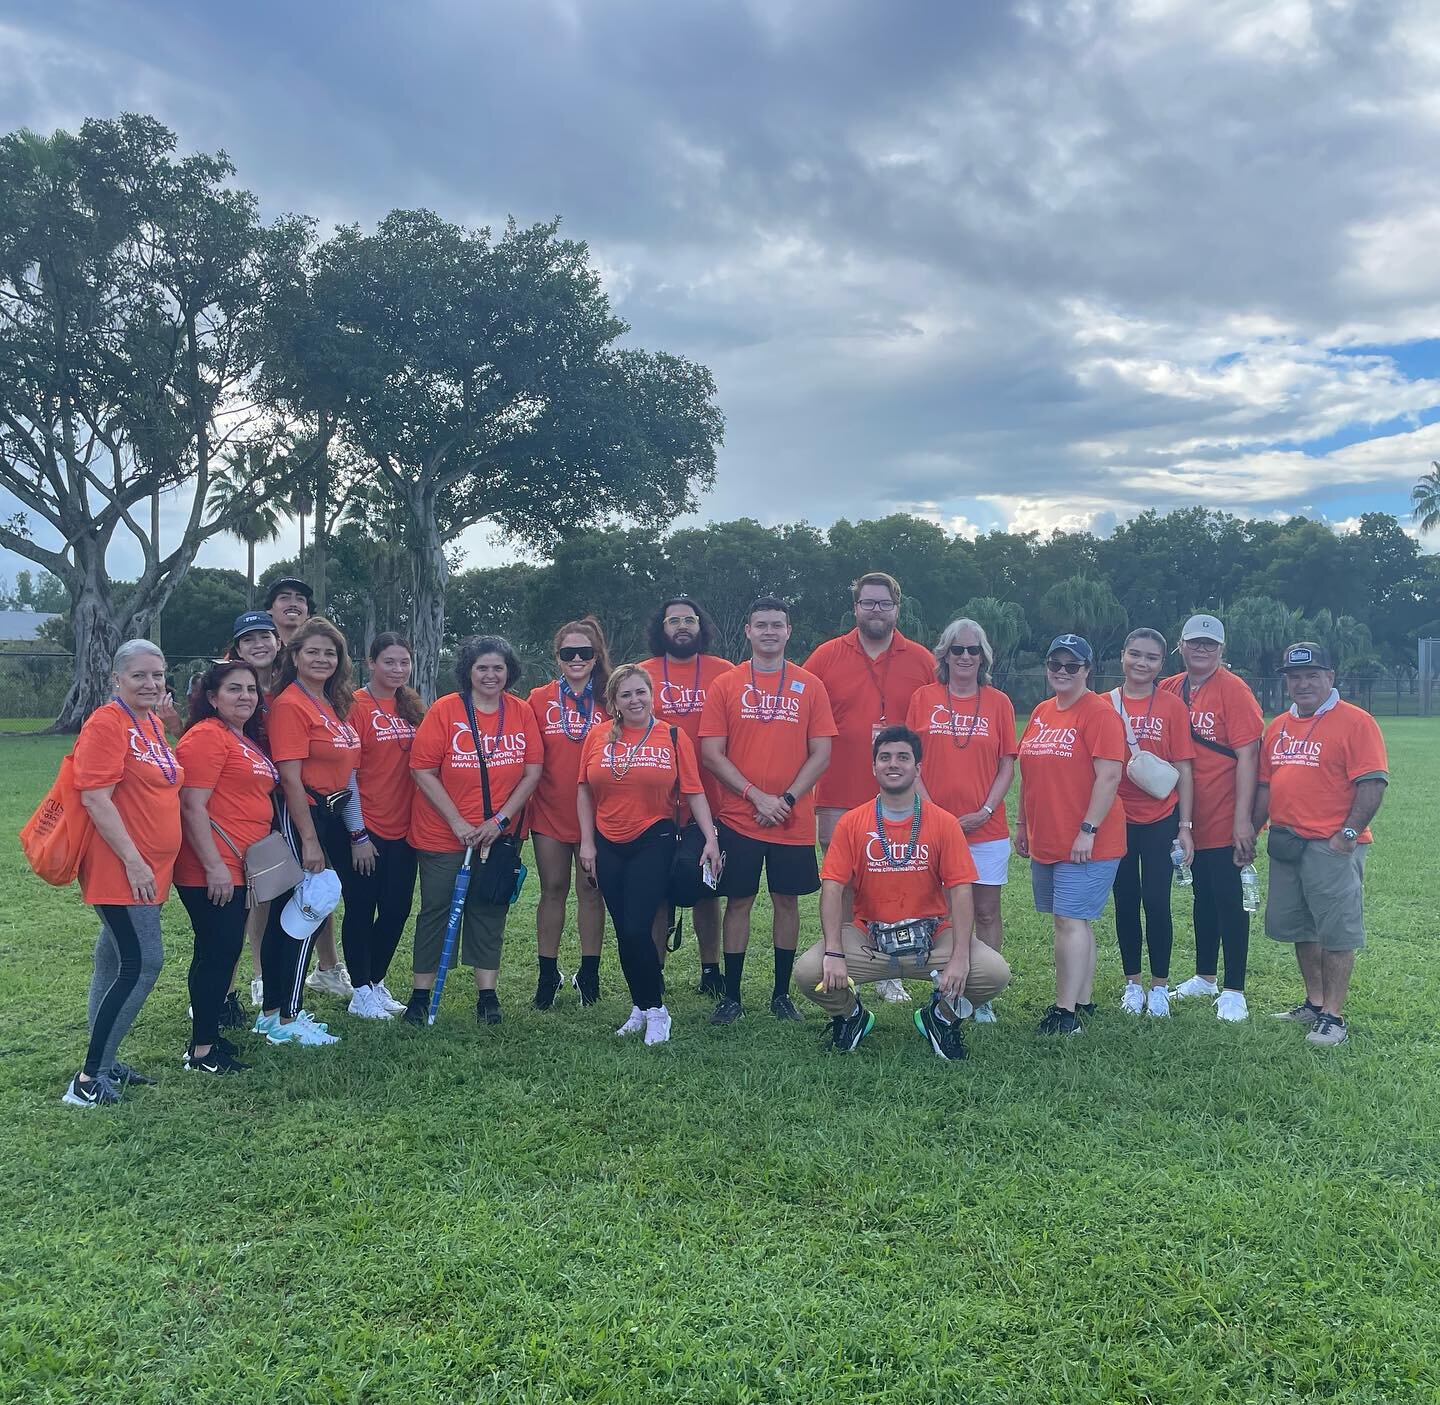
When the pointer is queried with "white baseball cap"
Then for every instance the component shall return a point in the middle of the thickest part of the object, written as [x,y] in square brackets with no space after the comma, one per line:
[311,903]
[1203,627]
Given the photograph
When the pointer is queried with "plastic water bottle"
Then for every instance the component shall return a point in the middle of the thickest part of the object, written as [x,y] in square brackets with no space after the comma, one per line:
[1183,878]
[1249,888]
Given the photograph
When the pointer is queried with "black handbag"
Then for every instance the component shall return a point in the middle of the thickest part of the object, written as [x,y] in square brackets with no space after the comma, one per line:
[1284,845]
[498,879]
[687,885]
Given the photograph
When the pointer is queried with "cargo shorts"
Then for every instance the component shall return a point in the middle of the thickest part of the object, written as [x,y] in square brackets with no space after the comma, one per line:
[1320,899]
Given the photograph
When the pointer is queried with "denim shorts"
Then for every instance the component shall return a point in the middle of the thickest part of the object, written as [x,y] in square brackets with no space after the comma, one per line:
[1078,890]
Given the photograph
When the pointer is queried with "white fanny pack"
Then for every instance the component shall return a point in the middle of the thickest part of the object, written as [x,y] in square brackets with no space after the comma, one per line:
[1153,774]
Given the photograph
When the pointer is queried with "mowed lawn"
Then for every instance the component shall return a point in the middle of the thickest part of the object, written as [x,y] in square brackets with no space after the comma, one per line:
[1164,1211]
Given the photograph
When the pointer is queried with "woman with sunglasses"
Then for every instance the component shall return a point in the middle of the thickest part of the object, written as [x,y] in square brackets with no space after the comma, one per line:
[386,713]
[1070,826]
[566,709]
[968,731]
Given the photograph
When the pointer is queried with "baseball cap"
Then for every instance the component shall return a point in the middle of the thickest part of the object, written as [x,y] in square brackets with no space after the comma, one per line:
[1306,655]
[311,903]
[1203,627]
[288,583]
[250,621]
[1076,645]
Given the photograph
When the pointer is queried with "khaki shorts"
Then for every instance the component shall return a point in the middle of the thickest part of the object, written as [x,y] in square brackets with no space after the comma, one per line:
[826,818]
[1320,899]
[482,925]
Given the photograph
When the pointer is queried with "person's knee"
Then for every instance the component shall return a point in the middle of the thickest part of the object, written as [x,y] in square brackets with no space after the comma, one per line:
[987,904]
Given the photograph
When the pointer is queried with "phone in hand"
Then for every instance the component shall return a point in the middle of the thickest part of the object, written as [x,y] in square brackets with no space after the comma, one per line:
[710,873]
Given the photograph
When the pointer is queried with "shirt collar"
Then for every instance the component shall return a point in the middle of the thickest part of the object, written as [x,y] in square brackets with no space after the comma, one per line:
[1323,708]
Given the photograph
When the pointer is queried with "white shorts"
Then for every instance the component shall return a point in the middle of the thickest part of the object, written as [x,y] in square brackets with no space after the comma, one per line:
[992,861]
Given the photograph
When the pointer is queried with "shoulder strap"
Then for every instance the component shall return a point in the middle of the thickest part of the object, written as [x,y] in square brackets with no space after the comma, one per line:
[675,761]
[229,843]
[1125,718]
[1194,735]
[479,754]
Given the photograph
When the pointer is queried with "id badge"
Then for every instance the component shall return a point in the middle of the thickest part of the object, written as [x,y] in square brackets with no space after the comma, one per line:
[875,729]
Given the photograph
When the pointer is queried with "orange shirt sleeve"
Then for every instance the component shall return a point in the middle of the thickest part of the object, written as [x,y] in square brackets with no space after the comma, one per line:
[822,718]
[432,737]
[715,716]
[288,728]
[99,757]
[840,859]
[1009,743]
[203,750]
[1365,748]
[1104,734]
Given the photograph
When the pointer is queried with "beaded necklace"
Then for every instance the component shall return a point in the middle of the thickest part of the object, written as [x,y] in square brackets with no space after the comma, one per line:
[908,852]
[630,752]
[584,708]
[158,750]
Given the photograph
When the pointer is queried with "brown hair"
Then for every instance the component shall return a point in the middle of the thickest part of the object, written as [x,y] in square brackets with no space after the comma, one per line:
[407,700]
[340,686]
[591,629]
[626,670]
[875,578]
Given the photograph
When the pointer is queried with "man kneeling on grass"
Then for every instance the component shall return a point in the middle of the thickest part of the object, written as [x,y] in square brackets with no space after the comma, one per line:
[910,868]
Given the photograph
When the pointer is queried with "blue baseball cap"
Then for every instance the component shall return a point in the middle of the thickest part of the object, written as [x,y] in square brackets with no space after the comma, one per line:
[1075,644]
[252,620]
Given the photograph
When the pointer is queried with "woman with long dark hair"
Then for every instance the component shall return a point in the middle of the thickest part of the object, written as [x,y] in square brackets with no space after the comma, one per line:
[565,711]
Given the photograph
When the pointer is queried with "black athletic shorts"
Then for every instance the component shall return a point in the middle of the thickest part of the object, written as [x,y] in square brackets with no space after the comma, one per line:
[790,869]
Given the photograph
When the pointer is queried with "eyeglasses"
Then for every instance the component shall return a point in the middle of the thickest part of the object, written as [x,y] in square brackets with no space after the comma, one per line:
[675,621]
[570,652]
[1072,667]
[1205,646]
[876,607]
[972,649]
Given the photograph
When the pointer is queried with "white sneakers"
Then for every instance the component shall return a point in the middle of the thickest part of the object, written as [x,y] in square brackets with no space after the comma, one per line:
[893,991]
[1196,985]
[1157,1003]
[1139,1001]
[634,1024]
[335,981]
[1133,1001]
[1231,1006]
[257,992]
[396,1007]
[301,1030]
[985,1014]
[369,1004]
[655,1023]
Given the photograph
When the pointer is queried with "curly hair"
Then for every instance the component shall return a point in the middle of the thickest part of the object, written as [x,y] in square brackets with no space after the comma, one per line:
[656,637]
[478,644]
[199,707]
[340,686]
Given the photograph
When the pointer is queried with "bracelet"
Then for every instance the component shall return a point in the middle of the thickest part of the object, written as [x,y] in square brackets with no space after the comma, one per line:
[359,836]
[749,786]
[839,955]
[1187,824]
[989,810]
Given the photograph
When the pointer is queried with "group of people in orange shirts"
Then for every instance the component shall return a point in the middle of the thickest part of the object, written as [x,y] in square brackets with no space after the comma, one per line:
[677,783]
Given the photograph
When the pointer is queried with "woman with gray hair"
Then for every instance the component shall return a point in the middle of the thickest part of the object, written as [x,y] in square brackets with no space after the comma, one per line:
[129,784]
[968,731]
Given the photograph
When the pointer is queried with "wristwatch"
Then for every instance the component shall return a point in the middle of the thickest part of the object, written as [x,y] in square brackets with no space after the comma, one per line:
[1351,834]
[502,823]
[1087,828]
[789,799]
[989,810]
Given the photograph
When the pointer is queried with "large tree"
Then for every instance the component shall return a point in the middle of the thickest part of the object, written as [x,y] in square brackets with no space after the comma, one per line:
[483,380]
[130,285]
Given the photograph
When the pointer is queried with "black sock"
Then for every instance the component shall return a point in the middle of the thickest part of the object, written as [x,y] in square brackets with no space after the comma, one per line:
[709,968]
[734,966]
[419,997]
[549,969]
[486,997]
[784,964]
[590,967]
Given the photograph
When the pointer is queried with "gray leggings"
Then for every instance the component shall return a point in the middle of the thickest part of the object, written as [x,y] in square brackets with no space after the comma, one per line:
[128,958]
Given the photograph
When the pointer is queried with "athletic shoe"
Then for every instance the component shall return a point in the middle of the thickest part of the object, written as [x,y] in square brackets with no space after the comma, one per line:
[308,1032]
[257,991]
[783,1008]
[98,1092]
[946,1037]
[335,981]
[1231,1006]
[417,1008]
[1303,1013]
[487,1008]
[396,1007]
[308,1018]
[712,983]
[1087,1009]
[216,1061]
[1058,1021]
[547,990]
[893,992]
[232,1013]
[128,1076]
[269,1026]
[1157,1002]
[985,1014]
[657,1025]
[1133,1001]
[1329,1030]
[634,1024]
[367,1005]
[588,989]
[846,1031]
[1196,985]
[728,1011]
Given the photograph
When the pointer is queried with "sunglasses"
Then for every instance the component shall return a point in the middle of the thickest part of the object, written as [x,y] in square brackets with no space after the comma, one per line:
[675,621]
[974,650]
[570,652]
[1061,666]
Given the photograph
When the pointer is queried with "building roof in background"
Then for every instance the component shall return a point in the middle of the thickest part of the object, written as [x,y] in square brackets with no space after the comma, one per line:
[22,626]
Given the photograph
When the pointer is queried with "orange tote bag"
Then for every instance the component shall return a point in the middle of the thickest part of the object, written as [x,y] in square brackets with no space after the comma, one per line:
[56,836]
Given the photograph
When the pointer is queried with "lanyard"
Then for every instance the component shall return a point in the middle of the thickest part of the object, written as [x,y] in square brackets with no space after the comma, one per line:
[158,750]
[1286,735]
[499,717]
[779,691]
[629,753]
[695,699]
[343,730]
[910,848]
[879,677]
[248,747]
[955,722]
[584,708]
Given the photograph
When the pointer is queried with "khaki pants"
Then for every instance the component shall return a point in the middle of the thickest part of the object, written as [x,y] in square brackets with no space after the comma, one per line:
[989,972]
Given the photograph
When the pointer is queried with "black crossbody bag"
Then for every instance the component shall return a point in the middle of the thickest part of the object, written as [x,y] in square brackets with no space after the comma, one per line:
[495,881]
[1204,741]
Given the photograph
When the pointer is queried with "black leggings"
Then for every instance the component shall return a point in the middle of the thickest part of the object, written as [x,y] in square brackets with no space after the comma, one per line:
[1220,917]
[219,940]
[634,879]
[377,907]
[1143,879]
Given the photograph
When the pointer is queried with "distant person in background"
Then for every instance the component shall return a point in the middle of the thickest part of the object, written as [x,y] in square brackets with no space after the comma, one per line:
[681,636]
[129,783]
[1070,827]
[1225,726]
[968,732]
[1323,773]
[870,675]
[290,602]
[565,711]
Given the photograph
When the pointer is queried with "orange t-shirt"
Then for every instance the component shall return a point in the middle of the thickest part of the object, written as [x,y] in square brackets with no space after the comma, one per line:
[767,737]
[1161,724]
[1223,709]
[1311,765]
[680,693]
[895,882]
[241,782]
[386,790]
[111,751]
[300,729]
[632,781]
[511,739]
[1057,755]
[552,808]
[964,742]
[864,694]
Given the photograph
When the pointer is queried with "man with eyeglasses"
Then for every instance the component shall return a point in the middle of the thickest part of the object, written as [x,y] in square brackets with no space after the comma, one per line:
[680,634]
[870,673]
[1226,726]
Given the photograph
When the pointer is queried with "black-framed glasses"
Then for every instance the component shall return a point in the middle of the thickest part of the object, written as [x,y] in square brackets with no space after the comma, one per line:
[675,621]
[974,650]
[568,653]
[1070,666]
[876,607]
[1205,646]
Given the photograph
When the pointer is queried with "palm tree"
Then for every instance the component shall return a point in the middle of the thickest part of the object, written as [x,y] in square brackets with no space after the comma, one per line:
[241,495]
[1005,626]
[1425,499]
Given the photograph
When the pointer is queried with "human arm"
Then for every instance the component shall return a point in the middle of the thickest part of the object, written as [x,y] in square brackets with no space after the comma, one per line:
[961,900]
[833,972]
[100,806]
[1247,767]
[297,802]
[999,788]
[1369,792]
[585,813]
[195,820]
[1259,809]
[1022,838]
[362,850]
[1186,787]
[817,758]
[489,830]
[700,809]
[1102,796]
[431,788]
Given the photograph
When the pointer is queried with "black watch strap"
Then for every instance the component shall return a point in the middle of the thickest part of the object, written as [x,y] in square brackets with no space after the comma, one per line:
[502,822]
[789,799]
[1087,828]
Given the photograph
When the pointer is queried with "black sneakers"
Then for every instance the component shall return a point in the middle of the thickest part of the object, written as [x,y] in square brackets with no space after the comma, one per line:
[216,1061]
[128,1076]
[783,1008]
[487,1008]
[546,990]
[728,1011]
[1058,1021]
[945,1036]
[98,1092]
[417,1008]
[232,1013]
[587,986]
[712,983]
[846,1031]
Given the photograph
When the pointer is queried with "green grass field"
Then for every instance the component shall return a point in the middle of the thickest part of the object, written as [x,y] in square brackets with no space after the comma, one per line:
[1181,1211]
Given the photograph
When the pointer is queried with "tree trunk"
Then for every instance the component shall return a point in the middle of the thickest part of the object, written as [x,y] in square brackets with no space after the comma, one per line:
[320,525]
[250,574]
[429,617]
[97,636]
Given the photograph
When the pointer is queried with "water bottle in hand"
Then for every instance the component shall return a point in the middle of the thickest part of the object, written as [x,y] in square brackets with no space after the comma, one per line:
[1249,888]
[1183,878]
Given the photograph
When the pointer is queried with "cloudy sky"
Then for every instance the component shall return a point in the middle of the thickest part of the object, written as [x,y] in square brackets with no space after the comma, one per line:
[1037,264]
